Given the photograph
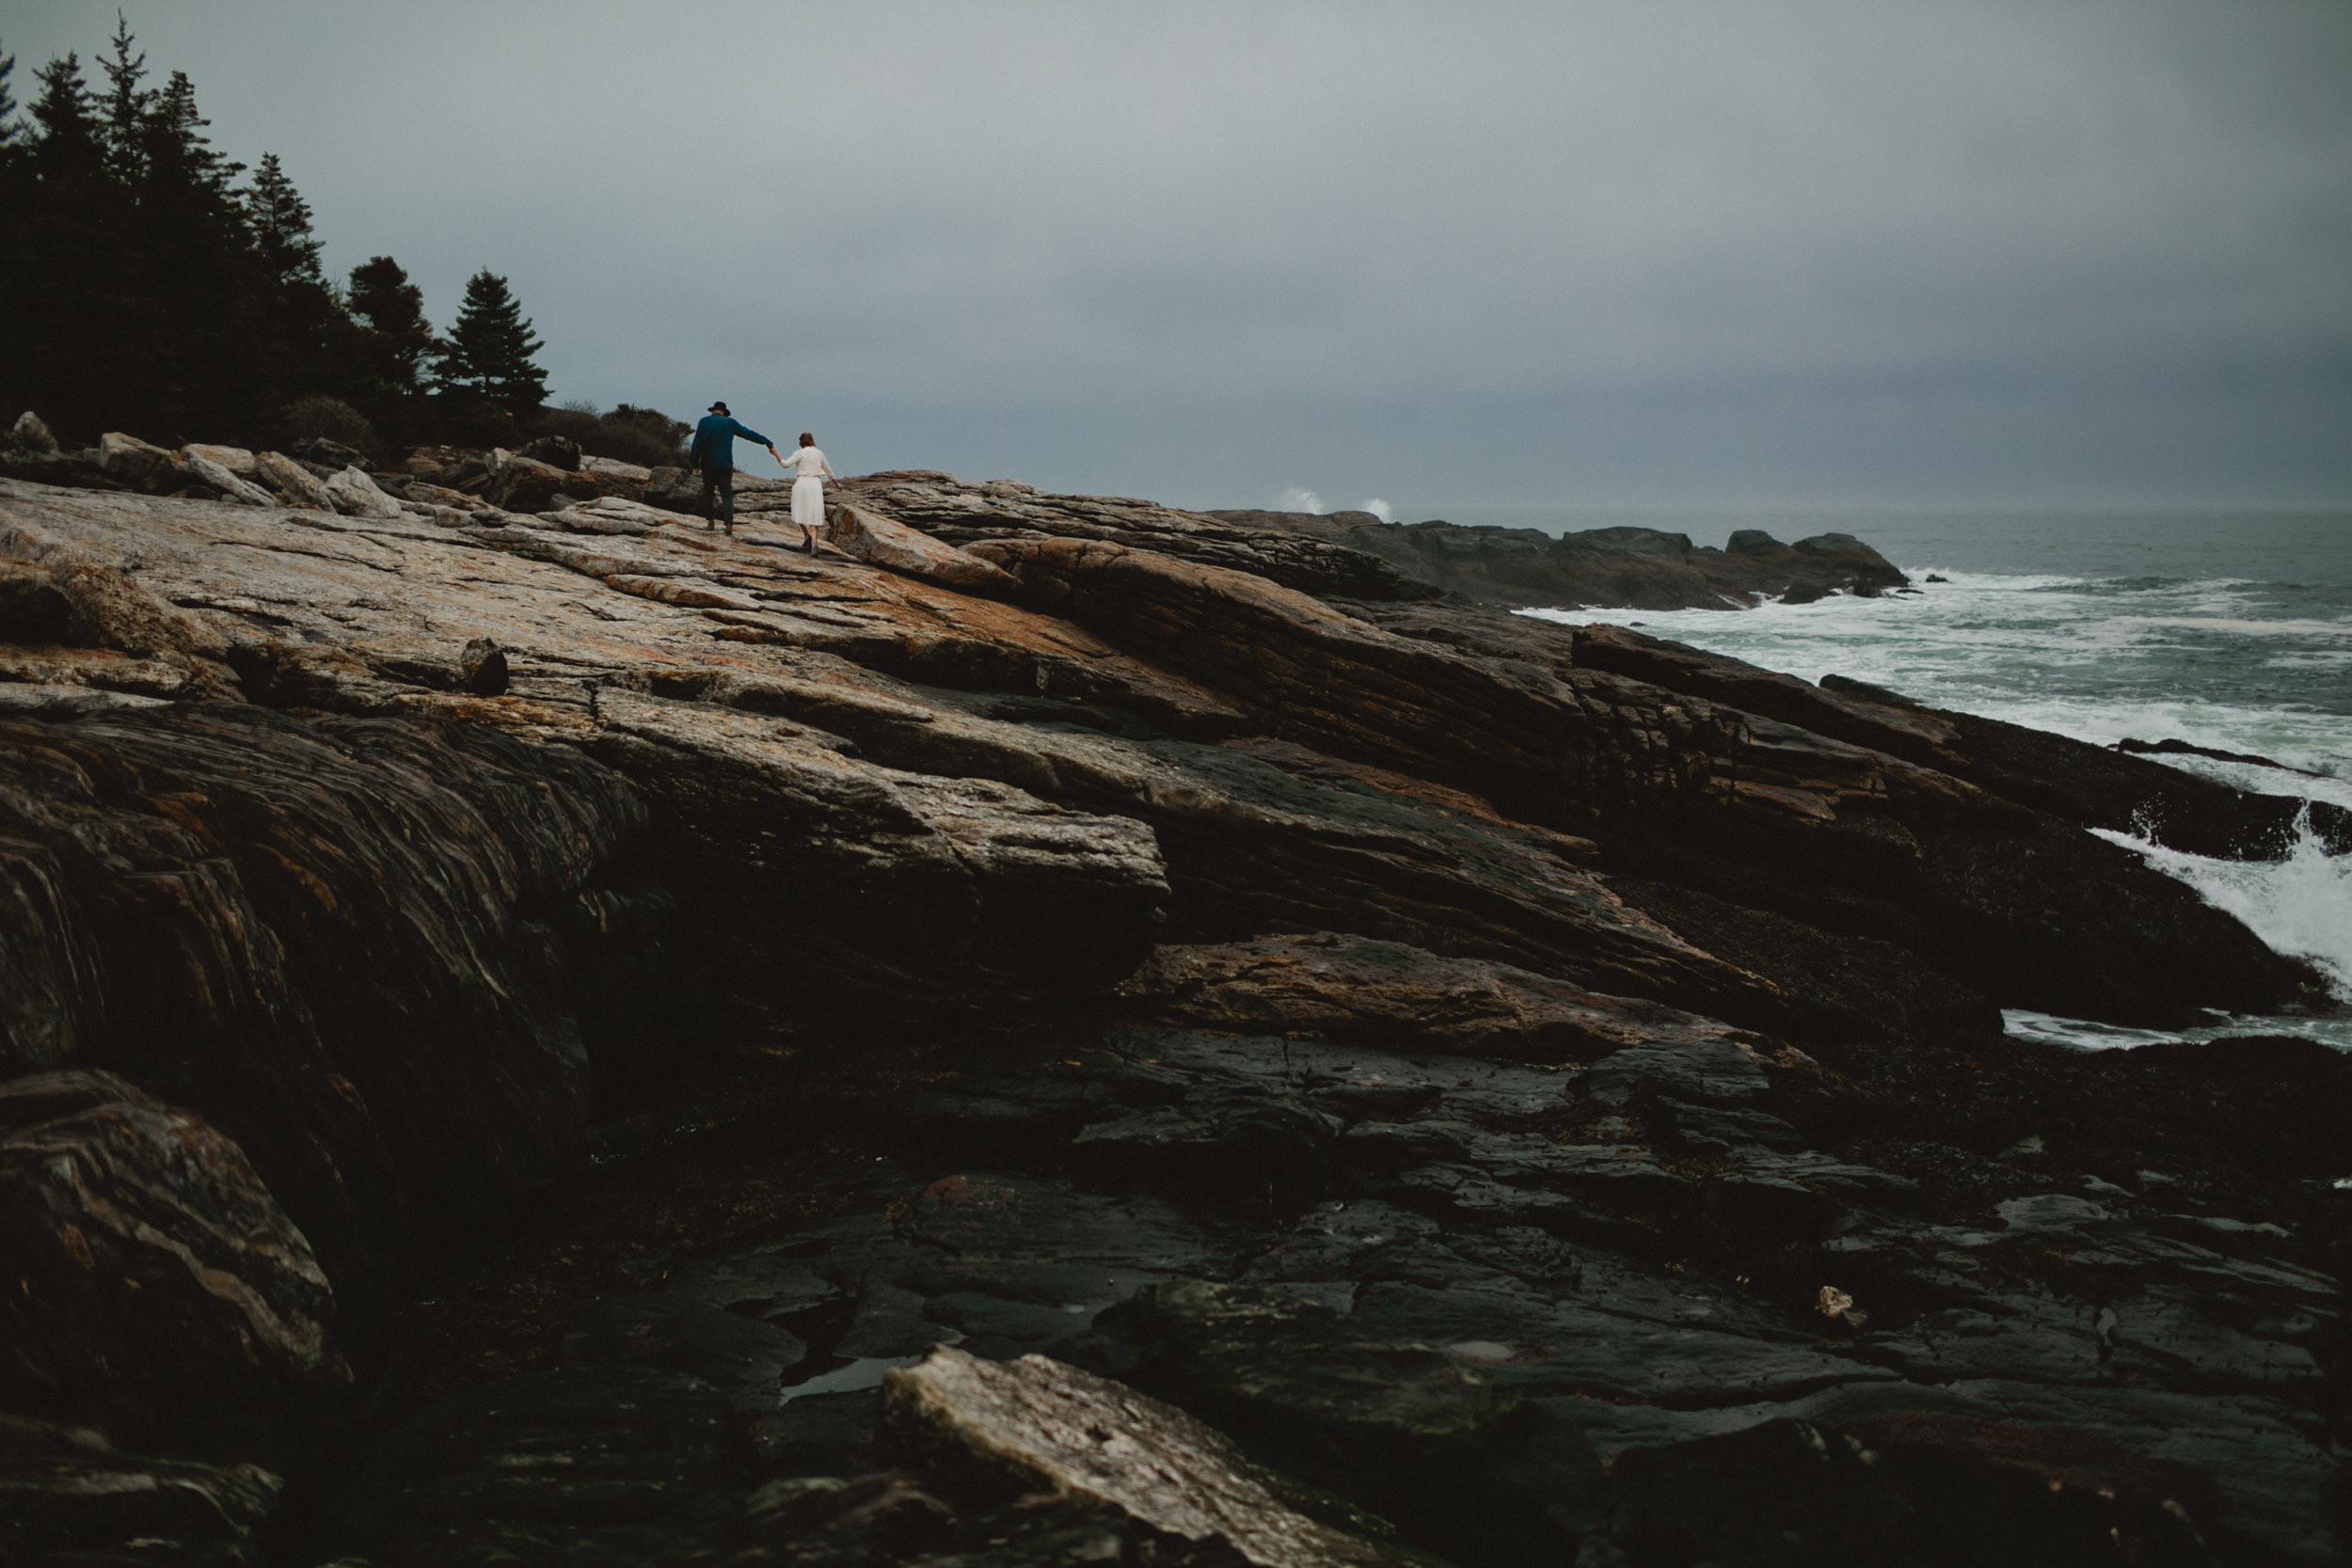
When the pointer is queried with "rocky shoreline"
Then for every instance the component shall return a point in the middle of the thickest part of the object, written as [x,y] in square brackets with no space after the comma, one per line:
[531,1018]
[1638,568]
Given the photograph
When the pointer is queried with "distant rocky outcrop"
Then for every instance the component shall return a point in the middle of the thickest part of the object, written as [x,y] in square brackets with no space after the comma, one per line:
[1636,568]
[1519,1092]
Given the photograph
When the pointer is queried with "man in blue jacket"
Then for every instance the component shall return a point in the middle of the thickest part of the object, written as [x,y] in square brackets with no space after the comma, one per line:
[712,456]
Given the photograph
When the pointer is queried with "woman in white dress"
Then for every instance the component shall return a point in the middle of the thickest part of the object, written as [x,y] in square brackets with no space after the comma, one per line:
[811,473]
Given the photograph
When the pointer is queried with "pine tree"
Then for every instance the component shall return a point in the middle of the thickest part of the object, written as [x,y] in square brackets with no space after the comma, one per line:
[62,263]
[490,349]
[69,145]
[281,221]
[127,108]
[220,363]
[392,342]
[10,129]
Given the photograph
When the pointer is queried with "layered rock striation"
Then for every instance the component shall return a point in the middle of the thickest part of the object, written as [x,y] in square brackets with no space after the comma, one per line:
[1464,1061]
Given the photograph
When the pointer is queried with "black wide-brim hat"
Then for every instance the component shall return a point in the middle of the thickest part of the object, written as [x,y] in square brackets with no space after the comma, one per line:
[718,409]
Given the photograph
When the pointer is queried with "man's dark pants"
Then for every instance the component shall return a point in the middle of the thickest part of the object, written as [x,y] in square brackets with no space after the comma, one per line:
[720,479]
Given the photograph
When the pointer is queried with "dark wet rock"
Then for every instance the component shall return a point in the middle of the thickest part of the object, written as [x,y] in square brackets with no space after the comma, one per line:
[148,1262]
[1721,1070]
[819,1434]
[2173,746]
[742,1356]
[1638,568]
[627,1463]
[2093,786]
[66,1496]
[1903,1489]
[308,935]
[1398,1428]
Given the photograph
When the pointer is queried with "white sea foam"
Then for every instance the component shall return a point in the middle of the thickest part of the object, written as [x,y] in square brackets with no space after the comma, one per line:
[1380,509]
[1299,499]
[2232,664]
[2300,906]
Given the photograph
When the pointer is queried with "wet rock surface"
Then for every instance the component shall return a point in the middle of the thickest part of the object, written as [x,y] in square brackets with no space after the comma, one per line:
[1534,1092]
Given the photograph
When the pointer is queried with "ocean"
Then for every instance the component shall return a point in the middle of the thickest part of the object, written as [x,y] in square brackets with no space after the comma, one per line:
[2230,631]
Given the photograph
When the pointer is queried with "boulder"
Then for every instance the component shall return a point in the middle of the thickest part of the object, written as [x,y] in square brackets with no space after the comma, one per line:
[237,460]
[877,541]
[194,464]
[677,490]
[295,484]
[1036,1425]
[30,434]
[483,668]
[560,451]
[355,495]
[330,454]
[613,467]
[153,1262]
[521,484]
[133,463]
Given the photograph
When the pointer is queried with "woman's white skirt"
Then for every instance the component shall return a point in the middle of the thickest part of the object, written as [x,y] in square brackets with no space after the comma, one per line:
[808,501]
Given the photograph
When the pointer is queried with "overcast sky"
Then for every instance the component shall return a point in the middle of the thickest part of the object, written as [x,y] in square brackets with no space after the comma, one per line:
[1646,252]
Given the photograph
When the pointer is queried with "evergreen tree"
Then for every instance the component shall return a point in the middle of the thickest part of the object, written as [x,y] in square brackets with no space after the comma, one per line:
[219,364]
[306,325]
[281,221]
[127,108]
[391,348]
[490,349]
[391,311]
[62,265]
[11,130]
[69,147]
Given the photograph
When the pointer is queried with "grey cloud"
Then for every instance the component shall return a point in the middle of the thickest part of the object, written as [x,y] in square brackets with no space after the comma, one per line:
[1692,249]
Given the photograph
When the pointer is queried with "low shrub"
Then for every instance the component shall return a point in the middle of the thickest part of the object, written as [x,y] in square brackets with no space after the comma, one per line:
[332,420]
[644,437]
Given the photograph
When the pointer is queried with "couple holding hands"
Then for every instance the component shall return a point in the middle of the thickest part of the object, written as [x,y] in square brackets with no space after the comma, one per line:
[712,456]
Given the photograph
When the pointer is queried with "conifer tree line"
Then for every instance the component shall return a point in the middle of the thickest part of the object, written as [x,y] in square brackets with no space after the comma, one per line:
[145,287]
